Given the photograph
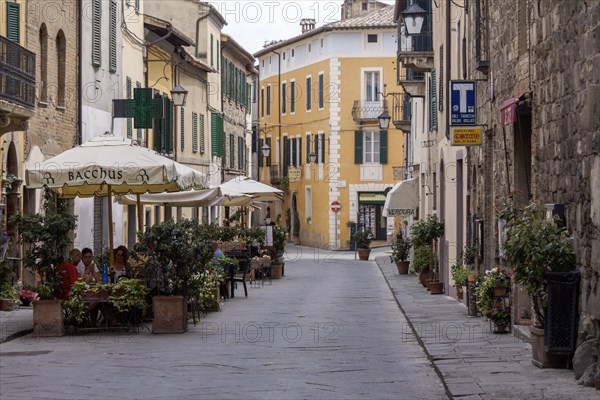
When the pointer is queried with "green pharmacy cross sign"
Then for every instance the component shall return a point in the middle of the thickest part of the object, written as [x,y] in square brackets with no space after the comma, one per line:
[143,108]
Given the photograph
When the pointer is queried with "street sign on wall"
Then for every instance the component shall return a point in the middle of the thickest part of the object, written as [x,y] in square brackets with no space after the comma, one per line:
[462,103]
[466,135]
[336,206]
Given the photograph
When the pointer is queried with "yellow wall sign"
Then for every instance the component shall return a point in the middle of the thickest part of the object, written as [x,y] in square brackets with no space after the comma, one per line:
[466,135]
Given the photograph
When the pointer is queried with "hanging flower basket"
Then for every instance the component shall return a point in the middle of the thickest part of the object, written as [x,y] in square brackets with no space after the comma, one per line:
[500,291]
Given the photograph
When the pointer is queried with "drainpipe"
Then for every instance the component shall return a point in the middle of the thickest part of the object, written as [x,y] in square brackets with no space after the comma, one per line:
[279,167]
[198,30]
[80,73]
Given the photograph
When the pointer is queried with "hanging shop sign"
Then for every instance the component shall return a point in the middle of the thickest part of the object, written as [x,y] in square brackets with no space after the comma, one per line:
[466,135]
[463,103]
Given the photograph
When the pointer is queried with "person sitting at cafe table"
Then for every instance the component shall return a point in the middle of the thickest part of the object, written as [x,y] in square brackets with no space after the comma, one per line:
[91,273]
[68,274]
[121,267]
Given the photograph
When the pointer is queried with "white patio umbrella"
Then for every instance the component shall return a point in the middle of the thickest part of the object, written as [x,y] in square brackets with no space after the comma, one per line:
[107,165]
[190,198]
[259,191]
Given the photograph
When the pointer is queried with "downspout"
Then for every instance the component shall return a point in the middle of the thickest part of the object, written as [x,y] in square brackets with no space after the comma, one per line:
[198,31]
[79,79]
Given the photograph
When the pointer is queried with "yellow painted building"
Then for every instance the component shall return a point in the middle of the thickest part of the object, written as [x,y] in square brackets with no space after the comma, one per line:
[320,94]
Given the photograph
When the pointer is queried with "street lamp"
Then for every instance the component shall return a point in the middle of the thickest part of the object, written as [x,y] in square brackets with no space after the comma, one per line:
[384,118]
[265,150]
[179,95]
[413,18]
[312,157]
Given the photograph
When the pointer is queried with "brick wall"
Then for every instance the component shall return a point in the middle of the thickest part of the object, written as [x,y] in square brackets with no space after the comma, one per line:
[53,127]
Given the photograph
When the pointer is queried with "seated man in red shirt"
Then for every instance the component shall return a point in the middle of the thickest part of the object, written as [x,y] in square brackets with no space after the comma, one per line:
[69,274]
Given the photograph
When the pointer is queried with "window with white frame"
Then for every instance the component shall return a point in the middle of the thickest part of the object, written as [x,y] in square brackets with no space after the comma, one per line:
[372,82]
[371,147]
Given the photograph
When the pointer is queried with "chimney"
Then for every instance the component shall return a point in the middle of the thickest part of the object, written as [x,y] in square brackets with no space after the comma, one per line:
[307,24]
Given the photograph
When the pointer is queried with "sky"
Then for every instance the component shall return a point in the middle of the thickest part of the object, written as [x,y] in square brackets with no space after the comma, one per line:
[251,23]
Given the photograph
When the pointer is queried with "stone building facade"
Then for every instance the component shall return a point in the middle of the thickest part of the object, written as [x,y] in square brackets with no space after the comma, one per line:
[539,103]
[52,35]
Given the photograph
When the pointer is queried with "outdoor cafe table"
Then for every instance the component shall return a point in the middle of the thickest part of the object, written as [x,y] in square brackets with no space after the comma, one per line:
[112,319]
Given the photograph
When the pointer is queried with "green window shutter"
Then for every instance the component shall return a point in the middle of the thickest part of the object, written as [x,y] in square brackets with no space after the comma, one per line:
[218,55]
[248,92]
[97,33]
[129,89]
[299,151]
[202,144]
[240,154]
[432,101]
[293,97]
[283,96]
[321,91]
[139,131]
[260,156]
[194,132]
[293,151]
[182,128]
[231,151]
[308,147]
[13,22]
[214,138]
[112,37]
[211,50]
[286,155]
[308,94]
[168,129]
[223,75]
[383,147]
[358,147]
[268,100]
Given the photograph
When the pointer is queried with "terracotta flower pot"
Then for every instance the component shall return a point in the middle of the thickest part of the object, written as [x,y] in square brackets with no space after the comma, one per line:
[500,291]
[402,267]
[436,287]
[363,254]
[540,357]
[459,292]
[424,276]
[48,319]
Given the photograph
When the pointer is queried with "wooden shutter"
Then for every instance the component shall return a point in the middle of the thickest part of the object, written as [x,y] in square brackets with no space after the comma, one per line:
[168,126]
[271,153]
[194,132]
[358,147]
[308,136]
[321,91]
[432,101]
[97,33]
[293,96]
[260,155]
[308,94]
[218,55]
[293,152]
[129,89]
[299,150]
[231,151]
[286,155]
[216,131]
[139,131]
[383,147]
[182,128]
[112,37]
[13,22]
[202,143]
[211,50]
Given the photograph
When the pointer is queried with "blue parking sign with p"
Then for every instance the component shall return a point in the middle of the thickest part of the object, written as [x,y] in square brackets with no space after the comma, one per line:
[462,103]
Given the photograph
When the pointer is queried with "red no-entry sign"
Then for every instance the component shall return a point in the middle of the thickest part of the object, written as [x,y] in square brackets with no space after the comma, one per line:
[336,206]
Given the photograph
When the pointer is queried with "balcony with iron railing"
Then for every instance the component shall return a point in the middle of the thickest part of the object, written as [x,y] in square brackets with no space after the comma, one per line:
[399,107]
[416,51]
[17,85]
[412,82]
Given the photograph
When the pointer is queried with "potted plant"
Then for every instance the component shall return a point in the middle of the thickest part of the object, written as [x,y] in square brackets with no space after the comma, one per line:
[536,247]
[400,251]
[168,251]
[459,272]
[490,302]
[362,239]
[27,296]
[422,262]
[46,238]
[278,264]
[424,233]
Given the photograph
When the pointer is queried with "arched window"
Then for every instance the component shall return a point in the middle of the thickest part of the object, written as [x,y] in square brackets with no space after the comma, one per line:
[61,50]
[43,63]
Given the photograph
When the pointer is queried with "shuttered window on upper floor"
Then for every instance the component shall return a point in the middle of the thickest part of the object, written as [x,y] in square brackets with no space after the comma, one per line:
[432,101]
[13,22]
[129,90]
[97,32]
[112,37]
[202,142]
[194,132]
[182,128]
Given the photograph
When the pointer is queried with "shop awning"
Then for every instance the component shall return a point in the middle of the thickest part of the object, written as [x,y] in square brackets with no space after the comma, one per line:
[508,110]
[403,199]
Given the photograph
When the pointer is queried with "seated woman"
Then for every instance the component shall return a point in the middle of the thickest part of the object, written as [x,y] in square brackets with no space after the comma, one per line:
[91,273]
[121,267]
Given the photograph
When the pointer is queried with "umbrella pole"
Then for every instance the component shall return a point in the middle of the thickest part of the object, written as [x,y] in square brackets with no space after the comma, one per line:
[140,212]
[111,255]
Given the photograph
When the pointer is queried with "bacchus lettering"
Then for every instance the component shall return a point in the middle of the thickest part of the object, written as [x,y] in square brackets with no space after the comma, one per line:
[95,174]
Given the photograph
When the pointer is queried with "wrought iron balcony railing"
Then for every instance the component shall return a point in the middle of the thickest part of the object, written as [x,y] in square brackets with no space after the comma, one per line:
[17,73]
[367,110]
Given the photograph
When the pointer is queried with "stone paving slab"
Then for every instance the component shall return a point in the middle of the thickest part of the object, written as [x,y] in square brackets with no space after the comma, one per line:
[474,362]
